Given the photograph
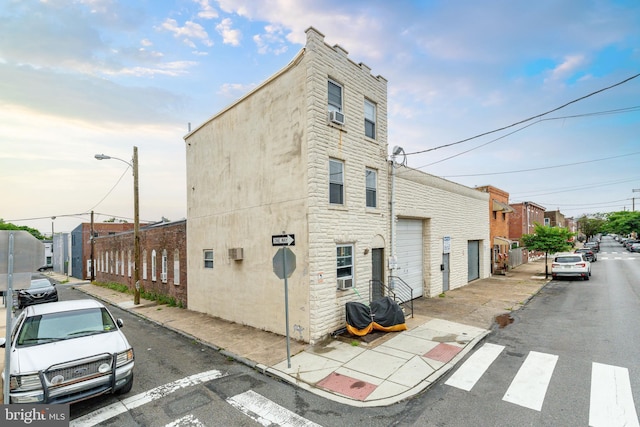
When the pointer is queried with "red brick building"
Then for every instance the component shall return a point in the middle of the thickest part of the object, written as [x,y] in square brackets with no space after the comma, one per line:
[163,255]
[523,219]
[81,244]
[499,218]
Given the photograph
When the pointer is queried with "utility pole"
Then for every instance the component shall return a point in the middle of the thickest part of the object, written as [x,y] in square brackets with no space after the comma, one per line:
[136,229]
[633,199]
[92,273]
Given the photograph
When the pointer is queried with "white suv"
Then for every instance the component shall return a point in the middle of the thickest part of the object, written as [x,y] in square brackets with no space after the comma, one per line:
[64,352]
[570,265]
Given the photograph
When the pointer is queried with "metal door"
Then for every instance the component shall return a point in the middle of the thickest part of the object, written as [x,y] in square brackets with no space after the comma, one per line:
[377,273]
[445,272]
[473,259]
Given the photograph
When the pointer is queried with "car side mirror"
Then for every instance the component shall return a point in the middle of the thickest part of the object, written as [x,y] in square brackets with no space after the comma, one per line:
[120,323]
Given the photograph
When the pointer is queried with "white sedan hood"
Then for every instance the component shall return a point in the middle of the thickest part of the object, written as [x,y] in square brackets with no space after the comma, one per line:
[40,357]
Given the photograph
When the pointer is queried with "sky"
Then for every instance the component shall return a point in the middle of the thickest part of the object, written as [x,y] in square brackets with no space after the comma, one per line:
[540,99]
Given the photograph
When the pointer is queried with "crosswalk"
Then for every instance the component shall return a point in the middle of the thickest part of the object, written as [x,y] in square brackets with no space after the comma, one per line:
[611,400]
[253,405]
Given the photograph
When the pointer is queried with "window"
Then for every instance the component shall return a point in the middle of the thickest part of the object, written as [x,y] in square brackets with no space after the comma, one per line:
[344,257]
[153,265]
[144,265]
[129,263]
[208,258]
[165,267]
[176,267]
[335,97]
[336,182]
[372,185]
[370,119]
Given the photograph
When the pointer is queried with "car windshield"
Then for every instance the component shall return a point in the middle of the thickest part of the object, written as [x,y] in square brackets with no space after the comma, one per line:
[39,283]
[567,259]
[64,325]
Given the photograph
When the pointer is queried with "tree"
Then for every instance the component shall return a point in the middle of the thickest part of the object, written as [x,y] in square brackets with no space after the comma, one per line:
[8,226]
[590,225]
[547,240]
[622,223]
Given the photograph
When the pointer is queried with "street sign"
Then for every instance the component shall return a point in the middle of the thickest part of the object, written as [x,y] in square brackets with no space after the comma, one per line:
[284,263]
[283,240]
[446,244]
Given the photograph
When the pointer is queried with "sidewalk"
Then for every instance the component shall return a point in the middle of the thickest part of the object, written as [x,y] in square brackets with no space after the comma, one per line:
[375,370]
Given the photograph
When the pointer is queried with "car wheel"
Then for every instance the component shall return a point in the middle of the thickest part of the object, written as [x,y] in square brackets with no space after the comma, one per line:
[587,276]
[127,387]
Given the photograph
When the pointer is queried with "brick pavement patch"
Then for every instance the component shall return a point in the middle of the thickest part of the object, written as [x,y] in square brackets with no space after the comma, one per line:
[347,386]
[443,352]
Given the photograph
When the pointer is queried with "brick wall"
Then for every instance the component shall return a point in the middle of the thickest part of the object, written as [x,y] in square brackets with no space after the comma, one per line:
[114,258]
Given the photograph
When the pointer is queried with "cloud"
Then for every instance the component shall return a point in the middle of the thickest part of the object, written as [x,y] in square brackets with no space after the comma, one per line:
[272,41]
[187,33]
[206,11]
[568,67]
[229,35]
[91,99]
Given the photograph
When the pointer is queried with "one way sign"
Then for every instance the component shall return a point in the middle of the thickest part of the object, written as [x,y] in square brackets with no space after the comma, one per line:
[283,240]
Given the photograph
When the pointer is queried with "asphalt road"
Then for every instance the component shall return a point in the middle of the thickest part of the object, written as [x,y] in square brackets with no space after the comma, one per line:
[570,336]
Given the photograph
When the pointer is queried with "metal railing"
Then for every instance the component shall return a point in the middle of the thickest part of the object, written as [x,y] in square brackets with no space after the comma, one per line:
[398,290]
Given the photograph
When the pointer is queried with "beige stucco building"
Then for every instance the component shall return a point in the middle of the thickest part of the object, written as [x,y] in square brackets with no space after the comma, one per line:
[306,154]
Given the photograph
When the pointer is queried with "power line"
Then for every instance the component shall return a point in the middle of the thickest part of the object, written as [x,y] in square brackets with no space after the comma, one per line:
[545,167]
[581,187]
[597,113]
[528,119]
[112,188]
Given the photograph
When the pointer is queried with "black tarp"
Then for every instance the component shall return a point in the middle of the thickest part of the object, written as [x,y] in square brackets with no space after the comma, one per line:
[384,315]
[386,312]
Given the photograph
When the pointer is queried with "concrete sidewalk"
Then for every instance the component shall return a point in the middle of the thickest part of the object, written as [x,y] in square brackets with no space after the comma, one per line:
[375,370]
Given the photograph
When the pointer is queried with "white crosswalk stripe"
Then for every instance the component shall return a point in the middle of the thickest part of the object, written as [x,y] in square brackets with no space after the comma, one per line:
[529,386]
[469,373]
[611,401]
[125,405]
[266,412]
[611,398]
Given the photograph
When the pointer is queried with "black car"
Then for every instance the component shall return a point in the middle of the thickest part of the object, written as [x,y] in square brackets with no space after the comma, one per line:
[40,291]
[589,254]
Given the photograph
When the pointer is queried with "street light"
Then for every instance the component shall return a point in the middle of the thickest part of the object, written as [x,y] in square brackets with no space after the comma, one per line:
[136,220]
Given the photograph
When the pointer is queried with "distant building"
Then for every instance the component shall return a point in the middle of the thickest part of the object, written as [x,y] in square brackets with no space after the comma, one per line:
[81,244]
[524,218]
[163,259]
[554,219]
[499,218]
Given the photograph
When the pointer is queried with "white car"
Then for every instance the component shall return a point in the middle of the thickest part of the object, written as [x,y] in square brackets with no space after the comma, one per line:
[570,265]
[67,351]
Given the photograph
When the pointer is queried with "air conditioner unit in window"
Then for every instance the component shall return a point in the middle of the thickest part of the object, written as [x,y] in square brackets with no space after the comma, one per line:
[163,277]
[345,283]
[336,117]
[236,254]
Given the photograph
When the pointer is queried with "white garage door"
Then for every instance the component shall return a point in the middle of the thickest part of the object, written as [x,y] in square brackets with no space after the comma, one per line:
[409,253]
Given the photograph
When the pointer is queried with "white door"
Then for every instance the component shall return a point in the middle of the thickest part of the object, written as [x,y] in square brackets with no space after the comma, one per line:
[409,253]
